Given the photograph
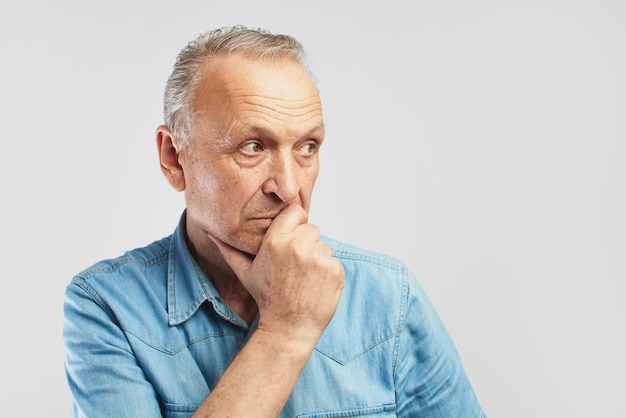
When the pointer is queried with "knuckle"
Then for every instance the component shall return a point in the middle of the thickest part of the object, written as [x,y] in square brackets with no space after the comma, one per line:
[338,270]
[272,242]
[313,229]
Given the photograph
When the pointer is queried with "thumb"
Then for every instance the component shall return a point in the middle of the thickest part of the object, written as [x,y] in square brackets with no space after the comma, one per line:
[288,219]
[238,261]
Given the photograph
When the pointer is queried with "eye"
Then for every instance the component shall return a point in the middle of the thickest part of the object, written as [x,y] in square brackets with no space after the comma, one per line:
[252,148]
[309,148]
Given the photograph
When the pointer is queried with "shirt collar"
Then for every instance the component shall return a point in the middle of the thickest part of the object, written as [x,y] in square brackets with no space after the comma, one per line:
[187,286]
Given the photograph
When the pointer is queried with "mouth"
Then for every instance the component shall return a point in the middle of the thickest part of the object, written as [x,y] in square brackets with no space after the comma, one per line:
[263,221]
[265,216]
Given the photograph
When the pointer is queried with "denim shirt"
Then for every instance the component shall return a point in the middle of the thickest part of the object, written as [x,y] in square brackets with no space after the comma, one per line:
[147,335]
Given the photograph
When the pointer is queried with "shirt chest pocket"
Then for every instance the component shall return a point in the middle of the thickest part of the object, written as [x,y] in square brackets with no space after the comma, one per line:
[179,411]
[377,411]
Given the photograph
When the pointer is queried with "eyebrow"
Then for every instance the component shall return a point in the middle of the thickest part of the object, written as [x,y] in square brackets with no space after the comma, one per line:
[264,132]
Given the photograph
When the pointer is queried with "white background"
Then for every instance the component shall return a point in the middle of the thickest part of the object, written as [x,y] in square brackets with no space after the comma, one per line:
[482,143]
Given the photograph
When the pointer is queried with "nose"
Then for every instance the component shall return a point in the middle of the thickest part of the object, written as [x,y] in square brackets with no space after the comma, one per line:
[282,179]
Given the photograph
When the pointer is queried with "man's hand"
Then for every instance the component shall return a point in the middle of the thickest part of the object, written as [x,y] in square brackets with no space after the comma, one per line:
[297,285]
[293,279]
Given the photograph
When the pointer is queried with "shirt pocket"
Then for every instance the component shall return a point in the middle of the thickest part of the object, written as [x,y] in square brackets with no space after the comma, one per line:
[388,410]
[179,411]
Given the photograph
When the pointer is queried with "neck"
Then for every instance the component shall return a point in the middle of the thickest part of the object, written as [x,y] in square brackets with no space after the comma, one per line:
[226,282]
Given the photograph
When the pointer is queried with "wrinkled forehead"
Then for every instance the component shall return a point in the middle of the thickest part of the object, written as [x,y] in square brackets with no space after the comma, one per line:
[227,80]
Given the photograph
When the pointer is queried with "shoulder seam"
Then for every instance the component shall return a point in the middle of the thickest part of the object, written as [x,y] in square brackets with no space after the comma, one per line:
[404,300]
[117,263]
[381,261]
[93,294]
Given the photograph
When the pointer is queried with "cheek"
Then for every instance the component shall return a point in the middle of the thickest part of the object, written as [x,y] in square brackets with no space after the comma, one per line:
[202,188]
[209,179]
[306,186]
[227,193]
[203,192]
[311,175]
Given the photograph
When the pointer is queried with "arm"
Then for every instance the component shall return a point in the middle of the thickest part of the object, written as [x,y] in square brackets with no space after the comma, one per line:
[259,380]
[430,379]
[102,372]
[297,285]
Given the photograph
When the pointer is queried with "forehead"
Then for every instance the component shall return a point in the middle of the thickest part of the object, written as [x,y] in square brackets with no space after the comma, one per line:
[237,97]
[228,81]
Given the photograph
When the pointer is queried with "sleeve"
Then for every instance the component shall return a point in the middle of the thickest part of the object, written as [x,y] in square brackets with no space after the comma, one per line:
[103,375]
[430,379]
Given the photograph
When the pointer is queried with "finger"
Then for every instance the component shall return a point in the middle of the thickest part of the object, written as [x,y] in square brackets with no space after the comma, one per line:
[238,261]
[307,232]
[289,219]
[323,250]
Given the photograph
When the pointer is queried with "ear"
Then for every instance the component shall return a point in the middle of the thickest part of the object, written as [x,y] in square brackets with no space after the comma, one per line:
[168,148]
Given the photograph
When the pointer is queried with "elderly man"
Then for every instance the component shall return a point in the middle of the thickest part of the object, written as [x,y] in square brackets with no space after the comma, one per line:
[246,311]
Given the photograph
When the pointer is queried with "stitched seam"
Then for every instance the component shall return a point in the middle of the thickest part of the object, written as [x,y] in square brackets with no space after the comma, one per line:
[352,412]
[192,308]
[366,349]
[152,262]
[84,285]
[404,298]
[172,352]
[348,255]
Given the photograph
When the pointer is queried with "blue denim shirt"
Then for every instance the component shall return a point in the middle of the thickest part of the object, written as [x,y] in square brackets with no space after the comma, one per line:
[147,335]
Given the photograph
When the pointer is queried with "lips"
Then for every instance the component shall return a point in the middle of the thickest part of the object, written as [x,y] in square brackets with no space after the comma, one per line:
[264,218]
[269,215]
[265,215]
[262,223]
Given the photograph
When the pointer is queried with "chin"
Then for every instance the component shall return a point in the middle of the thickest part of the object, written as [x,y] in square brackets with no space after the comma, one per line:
[248,246]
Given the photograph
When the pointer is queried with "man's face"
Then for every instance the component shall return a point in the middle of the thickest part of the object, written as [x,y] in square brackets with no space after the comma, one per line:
[256,132]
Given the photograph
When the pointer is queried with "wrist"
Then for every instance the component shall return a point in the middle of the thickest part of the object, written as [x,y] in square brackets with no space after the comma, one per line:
[294,343]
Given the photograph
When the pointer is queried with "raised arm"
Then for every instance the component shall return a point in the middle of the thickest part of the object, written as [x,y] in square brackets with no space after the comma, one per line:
[297,285]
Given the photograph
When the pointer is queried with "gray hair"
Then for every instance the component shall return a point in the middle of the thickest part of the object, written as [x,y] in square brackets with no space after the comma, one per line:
[252,43]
